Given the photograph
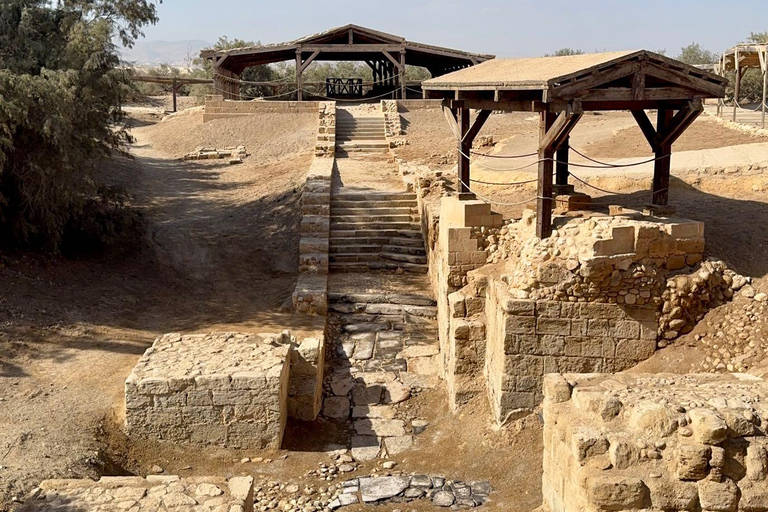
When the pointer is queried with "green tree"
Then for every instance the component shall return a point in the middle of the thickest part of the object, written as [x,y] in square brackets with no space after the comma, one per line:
[60,95]
[758,37]
[564,52]
[695,54]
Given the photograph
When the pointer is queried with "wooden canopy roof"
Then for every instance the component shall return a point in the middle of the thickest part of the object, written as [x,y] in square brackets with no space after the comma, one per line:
[602,81]
[561,89]
[748,55]
[350,42]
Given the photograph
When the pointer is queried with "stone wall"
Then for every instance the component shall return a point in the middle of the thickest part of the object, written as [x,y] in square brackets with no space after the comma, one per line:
[326,130]
[392,125]
[221,389]
[527,339]
[156,492]
[305,393]
[408,105]
[663,442]
[218,108]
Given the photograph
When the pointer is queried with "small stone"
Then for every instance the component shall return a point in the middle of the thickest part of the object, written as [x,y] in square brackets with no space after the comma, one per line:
[389,464]
[443,499]
[156,470]
[419,426]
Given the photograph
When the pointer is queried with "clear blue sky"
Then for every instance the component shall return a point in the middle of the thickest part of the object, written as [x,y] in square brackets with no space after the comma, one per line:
[507,28]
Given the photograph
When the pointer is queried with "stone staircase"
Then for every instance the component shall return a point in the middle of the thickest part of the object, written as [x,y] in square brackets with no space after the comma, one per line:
[386,348]
[376,231]
[360,134]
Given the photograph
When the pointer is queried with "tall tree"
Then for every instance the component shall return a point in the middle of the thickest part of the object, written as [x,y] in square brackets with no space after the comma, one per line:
[61,94]
[695,54]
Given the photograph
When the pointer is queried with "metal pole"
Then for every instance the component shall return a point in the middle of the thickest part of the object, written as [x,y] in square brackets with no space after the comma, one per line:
[174,94]
[765,78]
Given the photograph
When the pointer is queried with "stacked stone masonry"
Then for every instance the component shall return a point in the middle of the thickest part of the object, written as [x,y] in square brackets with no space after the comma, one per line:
[655,442]
[527,339]
[218,108]
[156,493]
[220,389]
[326,131]
[392,124]
[311,292]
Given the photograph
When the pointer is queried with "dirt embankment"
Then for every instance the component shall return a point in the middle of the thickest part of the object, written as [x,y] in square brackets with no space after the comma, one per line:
[221,253]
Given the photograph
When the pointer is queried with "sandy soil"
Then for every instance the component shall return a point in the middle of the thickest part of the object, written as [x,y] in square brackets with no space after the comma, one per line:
[221,254]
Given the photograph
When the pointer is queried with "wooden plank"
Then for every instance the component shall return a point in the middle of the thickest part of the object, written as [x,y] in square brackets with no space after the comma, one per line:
[352,48]
[649,94]
[299,95]
[391,58]
[599,78]
[561,164]
[662,165]
[544,188]
[678,78]
[645,126]
[508,106]
[638,86]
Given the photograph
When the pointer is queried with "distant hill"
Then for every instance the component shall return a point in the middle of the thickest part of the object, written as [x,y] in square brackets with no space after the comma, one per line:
[153,53]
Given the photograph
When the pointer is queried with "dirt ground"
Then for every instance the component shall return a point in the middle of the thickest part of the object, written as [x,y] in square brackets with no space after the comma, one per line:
[222,253]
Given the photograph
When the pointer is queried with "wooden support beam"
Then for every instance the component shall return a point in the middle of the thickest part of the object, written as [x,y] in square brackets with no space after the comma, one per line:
[450,117]
[299,95]
[679,123]
[389,56]
[464,149]
[482,117]
[638,86]
[645,126]
[309,60]
[562,127]
[544,189]
[174,94]
[403,90]
[662,165]
[561,166]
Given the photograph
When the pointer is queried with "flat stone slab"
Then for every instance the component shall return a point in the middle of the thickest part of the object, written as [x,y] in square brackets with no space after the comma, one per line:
[222,389]
[336,407]
[156,492]
[373,411]
[364,345]
[398,445]
[365,448]
[379,427]
[367,395]
[382,488]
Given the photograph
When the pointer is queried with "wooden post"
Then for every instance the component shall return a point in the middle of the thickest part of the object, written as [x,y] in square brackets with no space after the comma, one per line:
[464,149]
[737,85]
[299,94]
[174,93]
[561,168]
[544,189]
[663,161]
[764,67]
[403,91]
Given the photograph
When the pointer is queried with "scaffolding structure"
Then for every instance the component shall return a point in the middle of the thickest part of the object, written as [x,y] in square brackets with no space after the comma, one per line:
[739,59]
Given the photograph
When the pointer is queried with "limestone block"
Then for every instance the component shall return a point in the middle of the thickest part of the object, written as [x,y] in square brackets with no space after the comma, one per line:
[718,496]
[708,427]
[692,461]
[756,462]
[617,493]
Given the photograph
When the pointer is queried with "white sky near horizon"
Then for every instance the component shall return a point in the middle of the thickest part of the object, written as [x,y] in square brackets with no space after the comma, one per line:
[511,28]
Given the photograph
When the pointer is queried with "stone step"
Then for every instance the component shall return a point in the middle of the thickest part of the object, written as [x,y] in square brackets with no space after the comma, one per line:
[381,298]
[353,257]
[407,258]
[398,249]
[374,196]
[400,210]
[375,129]
[373,218]
[348,226]
[406,203]
[376,249]
[412,234]
[380,242]
[341,151]
[362,144]
[360,121]
[380,313]
[377,266]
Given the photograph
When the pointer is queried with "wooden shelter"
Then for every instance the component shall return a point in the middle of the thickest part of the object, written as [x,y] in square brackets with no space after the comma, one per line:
[738,59]
[386,54]
[561,89]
